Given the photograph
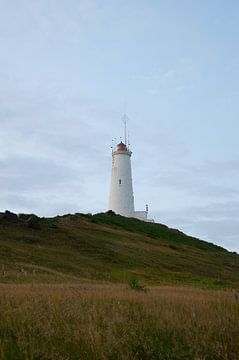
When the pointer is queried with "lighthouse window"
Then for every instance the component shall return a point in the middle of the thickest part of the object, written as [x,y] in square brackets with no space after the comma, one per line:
[120,181]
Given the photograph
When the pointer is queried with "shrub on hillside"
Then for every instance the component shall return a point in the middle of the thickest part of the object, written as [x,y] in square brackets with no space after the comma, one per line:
[135,285]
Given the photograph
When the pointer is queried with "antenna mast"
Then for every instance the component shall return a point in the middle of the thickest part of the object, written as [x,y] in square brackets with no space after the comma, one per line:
[125,120]
[125,129]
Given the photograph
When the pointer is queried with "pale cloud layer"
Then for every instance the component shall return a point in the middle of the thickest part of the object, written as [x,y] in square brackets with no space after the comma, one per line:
[69,69]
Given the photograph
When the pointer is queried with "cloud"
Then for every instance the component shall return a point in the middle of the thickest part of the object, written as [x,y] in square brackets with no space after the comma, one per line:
[152,91]
[169,75]
[183,76]
[216,222]
[52,151]
[201,200]
[72,20]
[208,179]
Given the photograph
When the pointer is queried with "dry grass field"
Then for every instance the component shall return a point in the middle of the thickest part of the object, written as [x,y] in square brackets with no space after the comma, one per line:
[109,321]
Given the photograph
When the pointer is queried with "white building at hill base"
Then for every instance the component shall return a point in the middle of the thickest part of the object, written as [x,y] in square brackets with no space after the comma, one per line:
[121,189]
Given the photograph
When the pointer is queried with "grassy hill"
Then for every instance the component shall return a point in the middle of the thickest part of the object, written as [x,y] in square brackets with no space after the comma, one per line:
[63,291]
[80,247]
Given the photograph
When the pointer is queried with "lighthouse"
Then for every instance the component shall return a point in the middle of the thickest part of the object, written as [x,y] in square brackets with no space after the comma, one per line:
[121,189]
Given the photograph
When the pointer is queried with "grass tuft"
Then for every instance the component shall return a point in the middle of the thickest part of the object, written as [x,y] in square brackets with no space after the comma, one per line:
[134,284]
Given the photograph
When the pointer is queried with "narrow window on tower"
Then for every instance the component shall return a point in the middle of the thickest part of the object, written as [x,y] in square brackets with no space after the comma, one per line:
[120,181]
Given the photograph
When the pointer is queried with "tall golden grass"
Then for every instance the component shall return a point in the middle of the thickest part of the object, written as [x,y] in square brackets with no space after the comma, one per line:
[113,322]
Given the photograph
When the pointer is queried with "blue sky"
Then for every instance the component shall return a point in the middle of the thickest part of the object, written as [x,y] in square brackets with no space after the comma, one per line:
[69,70]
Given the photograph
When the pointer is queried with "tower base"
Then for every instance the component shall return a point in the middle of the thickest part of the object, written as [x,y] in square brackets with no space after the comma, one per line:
[142,215]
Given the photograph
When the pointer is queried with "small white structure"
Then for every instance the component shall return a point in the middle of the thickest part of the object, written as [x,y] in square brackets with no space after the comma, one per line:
[121,189]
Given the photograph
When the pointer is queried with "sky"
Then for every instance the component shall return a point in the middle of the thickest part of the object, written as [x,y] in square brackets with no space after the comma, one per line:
[69,69]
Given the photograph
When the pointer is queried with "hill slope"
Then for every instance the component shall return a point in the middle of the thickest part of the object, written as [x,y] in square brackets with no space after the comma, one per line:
[108,248]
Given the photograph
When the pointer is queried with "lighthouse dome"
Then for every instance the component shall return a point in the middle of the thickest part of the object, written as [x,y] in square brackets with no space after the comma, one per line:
[121,147]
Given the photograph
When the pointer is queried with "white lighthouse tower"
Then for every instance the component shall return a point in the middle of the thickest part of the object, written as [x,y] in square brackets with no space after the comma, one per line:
[121,188]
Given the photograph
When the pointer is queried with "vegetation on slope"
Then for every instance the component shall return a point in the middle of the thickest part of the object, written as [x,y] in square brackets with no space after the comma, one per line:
[108,248]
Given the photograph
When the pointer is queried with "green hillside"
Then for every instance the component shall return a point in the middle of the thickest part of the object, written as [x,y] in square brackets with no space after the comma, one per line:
[112,248]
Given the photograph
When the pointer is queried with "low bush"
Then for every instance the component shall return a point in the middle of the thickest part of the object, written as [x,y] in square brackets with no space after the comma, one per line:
[135,285]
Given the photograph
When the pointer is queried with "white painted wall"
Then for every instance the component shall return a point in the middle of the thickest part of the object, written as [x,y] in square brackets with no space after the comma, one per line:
[121,189]
[141,215]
